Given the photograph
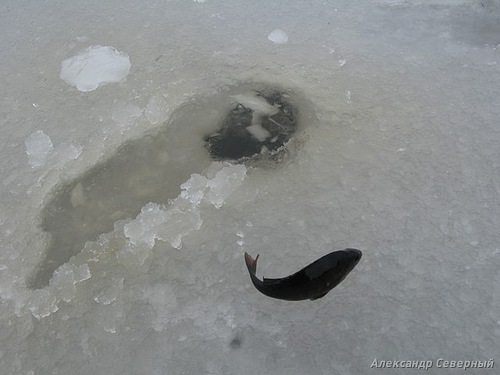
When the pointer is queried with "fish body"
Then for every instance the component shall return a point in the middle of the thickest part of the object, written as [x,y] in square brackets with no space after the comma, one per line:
[312,282]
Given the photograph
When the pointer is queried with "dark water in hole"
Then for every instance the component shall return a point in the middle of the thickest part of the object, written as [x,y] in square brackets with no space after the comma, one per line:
[260,123]
[150,169]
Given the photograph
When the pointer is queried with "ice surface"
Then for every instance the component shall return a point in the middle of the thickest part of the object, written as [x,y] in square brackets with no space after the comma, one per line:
[400,160]
[38,148]
[95,66]
[126,114]
[278,36]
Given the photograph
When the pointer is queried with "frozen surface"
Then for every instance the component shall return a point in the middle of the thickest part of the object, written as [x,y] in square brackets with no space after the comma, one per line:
[96,65]
[400,160]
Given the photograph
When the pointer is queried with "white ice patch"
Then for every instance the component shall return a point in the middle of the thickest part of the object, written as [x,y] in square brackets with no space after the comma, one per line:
[278,36]
[38,148]
[95,66]
[182,216]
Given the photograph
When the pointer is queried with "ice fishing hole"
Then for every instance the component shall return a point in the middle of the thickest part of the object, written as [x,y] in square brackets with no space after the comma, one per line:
[260,119]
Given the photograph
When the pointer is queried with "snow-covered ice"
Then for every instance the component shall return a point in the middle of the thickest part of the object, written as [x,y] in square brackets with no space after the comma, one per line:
[95,66]
[396,154]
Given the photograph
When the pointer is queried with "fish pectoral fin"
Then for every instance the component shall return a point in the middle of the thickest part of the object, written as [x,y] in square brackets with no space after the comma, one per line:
[320,296]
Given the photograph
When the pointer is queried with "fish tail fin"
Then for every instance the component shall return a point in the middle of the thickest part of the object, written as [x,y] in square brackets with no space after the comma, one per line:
[251,263]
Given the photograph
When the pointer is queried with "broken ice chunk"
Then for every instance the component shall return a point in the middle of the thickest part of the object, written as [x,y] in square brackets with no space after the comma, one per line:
[169,225]
[227,180]
[66,277]
[178,224]
[38,148]
[96,65]
[278,36]
[258,132]
[256,103]
[193,189]
[143,228]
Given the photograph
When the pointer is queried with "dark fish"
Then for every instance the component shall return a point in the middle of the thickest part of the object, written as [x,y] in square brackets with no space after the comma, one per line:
[312,282]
